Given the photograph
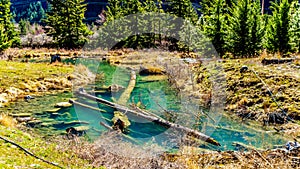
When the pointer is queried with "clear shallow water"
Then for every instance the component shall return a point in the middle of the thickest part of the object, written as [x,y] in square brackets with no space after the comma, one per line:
[156,97]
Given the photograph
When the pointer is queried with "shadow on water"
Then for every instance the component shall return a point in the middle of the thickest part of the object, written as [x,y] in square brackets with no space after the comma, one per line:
[157,97]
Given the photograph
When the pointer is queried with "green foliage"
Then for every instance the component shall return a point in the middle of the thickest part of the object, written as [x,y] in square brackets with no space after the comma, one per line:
[23,27]
[65,23]
[257,25]
[183,9]
[34,12]
[277,34]
[8,35]
[214,23]
[239,28]
[119,9]
[295,28]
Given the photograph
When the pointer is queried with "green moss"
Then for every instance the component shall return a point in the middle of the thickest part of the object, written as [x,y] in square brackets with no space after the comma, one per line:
[12,74]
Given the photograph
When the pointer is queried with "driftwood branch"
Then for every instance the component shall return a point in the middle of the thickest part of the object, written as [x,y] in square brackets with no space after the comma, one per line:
[30,153]
[156,120]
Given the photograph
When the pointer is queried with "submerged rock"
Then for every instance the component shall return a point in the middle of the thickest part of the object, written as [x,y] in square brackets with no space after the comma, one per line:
[21,115]
[53,110]
[63,104]
[115,88]
[150,70]
[120,121]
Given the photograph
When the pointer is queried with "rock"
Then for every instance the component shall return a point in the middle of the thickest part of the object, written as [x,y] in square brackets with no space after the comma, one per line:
[23,119]
[63,104]
[21,115]
[150,70]
[53,110]
[120,121]
[53,115]
[33,123]
[77,131]
[55,58]
[28,97]
[115,88]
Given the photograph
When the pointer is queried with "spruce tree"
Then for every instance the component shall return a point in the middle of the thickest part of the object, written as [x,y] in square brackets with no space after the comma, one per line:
[9,36]
[214,23]
[257,25]
[239,28]
[65,23]
[295,28]
[22,27]
[277,34]
[183,9]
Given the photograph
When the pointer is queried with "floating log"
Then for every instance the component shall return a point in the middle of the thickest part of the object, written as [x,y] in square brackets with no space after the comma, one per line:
[86,106]
[127,92]
[156,120]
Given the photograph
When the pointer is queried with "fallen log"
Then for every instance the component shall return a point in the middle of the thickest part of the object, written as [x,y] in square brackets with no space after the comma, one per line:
[127,92]
[156,120]
[268,61]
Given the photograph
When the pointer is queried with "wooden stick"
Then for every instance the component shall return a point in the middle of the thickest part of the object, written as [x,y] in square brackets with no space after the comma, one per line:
[30,153]
[156,120]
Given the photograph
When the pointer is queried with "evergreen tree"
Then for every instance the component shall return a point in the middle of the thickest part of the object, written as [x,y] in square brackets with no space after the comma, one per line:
[295,28]
[183,9]
[277,34]
[114,10]
[35,12]
[239,28]
[9,36]
[23,27]
[65,23]
[257,25]
[214,23]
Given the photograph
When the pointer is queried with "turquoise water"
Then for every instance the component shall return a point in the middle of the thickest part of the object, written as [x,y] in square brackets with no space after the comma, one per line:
[159,98]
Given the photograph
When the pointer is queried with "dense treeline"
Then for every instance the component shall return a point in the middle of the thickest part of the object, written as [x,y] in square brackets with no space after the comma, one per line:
[235,28]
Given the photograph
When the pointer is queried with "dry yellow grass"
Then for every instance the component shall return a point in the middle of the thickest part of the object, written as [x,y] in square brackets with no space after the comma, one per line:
[7,121]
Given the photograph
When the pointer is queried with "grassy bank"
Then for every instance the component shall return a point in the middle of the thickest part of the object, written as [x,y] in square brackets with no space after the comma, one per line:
[19,79]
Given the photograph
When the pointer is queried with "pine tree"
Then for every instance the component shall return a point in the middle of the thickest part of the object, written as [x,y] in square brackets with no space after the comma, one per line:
[277,34]
[214,23]
[65,23]
[295,28]
[8,35]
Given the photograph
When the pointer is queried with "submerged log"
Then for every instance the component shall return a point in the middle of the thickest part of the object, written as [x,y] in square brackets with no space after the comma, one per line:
[156,120]
[127,92]
[86,106]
